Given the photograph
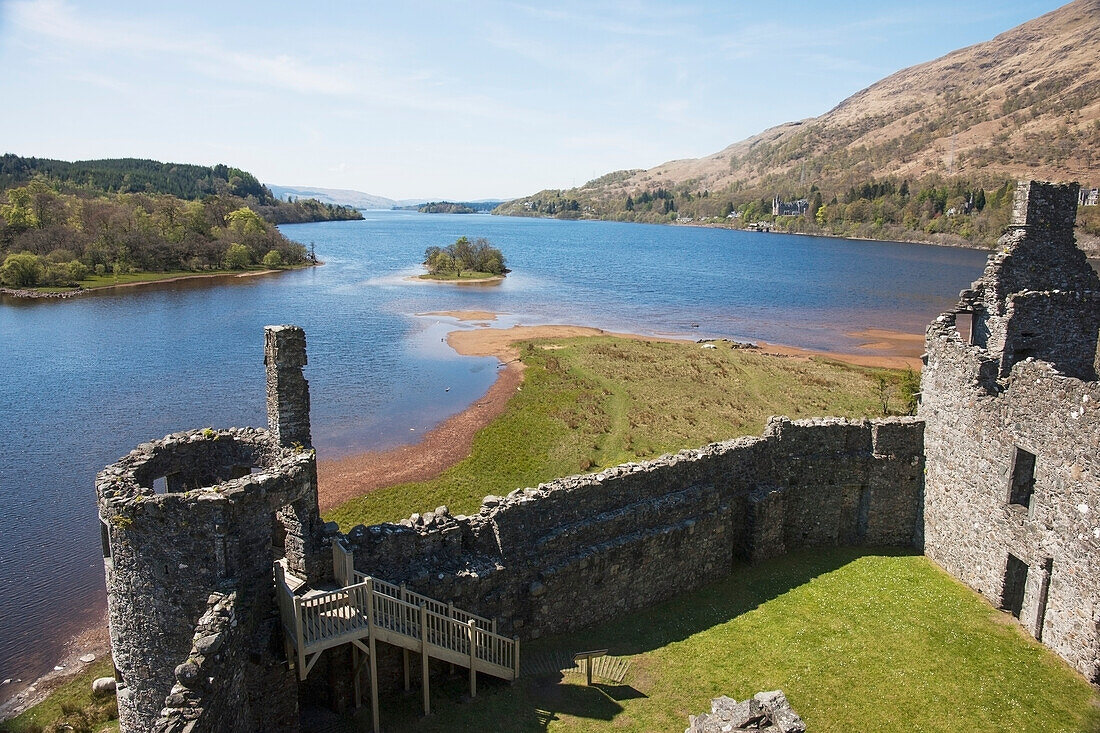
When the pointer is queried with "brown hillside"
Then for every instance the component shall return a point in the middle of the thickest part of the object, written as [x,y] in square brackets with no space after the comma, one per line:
[1024,104]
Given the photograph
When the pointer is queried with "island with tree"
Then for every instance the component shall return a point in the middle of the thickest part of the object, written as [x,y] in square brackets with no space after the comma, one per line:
[465,262]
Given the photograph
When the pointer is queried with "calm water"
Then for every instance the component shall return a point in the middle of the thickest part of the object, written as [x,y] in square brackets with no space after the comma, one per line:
[83,381]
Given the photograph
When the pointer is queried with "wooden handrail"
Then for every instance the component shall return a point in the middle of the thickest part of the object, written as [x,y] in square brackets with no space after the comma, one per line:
[320,620]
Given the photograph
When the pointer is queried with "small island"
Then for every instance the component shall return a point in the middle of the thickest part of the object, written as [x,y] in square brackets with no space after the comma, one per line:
[464,262]
[445,207]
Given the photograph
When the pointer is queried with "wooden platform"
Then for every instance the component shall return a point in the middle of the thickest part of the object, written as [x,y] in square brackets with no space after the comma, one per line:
[367,610]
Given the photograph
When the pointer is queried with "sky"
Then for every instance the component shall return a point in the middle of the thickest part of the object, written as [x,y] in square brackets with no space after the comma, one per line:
[457,100]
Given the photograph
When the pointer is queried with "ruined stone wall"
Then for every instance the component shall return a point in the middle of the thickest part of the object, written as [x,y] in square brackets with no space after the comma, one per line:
[1012,437]
[287,388]
[584,549]
[217,685]
[971,525]
[210,531]
[1038,294]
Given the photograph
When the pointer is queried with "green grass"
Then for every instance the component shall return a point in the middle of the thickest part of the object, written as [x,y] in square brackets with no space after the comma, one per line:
[93,282]
[71,703]
[590,403]
[452,277]
[859,642]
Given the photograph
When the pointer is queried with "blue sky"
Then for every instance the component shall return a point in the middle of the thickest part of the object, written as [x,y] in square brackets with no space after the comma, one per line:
[447,99]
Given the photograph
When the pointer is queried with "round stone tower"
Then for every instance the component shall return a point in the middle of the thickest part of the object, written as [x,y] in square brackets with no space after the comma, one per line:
[192,525]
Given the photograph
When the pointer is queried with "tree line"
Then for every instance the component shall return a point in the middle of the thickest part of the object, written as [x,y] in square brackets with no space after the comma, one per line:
[953,211]
[48,237]
[185,181]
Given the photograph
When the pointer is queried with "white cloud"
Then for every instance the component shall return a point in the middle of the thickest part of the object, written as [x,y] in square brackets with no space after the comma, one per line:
[37,20]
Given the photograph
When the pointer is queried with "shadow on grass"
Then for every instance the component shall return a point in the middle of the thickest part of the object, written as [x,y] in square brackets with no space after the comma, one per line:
[620,692]
[747,587]
[537,700]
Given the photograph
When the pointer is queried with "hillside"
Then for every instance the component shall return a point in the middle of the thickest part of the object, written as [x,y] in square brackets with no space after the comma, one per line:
[337,196]
[181,180]
[1025,104]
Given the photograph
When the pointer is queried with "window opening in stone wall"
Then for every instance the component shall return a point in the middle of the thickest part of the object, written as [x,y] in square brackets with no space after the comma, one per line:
[239,472]
[964,322]
[278,539]
[1012,600]
[160,485]
[1023,478]
[105,539]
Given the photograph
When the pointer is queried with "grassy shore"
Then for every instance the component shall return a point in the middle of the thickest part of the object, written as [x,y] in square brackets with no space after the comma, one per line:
[859,642]
[97,282]
[71,707]
[588,403]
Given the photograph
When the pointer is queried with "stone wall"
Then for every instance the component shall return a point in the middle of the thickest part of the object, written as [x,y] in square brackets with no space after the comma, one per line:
[217,686]
[1038,284]
[584,549]
[287,388]
[972,527]
[1012,503]
[211,530]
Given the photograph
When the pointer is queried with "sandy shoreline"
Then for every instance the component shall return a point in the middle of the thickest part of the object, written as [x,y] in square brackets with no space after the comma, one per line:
[341,479]
[93,641]
[495,280]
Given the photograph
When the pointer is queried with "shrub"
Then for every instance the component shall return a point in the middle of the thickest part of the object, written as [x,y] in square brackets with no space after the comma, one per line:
[22,270]
[273,259]
[77,270]
[237,257]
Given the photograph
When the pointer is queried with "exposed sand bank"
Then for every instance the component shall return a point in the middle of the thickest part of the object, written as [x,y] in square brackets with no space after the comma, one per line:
[494,280]
[345,478]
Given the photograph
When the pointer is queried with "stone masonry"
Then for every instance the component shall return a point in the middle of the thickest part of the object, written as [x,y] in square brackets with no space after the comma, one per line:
[588,548]
[998,480]
[1012,436]
[765,711]
[192,525]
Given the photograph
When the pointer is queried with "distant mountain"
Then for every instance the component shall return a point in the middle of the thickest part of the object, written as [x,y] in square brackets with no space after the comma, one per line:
[341,196]
[1025,104]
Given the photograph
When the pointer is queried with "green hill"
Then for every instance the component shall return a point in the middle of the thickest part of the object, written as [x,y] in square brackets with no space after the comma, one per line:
[910,157]
[182,180]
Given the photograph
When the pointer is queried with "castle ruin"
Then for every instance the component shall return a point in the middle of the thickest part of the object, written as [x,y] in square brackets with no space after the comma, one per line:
[997,480]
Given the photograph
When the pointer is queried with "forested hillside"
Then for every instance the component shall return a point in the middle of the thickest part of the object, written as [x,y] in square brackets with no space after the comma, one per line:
[66,224]
[57,239]
[190,182]
[924,154]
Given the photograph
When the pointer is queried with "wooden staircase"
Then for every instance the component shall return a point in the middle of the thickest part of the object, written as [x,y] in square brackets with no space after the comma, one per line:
[363,610]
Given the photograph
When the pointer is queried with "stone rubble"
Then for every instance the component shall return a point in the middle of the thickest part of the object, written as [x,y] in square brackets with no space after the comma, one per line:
[765,711]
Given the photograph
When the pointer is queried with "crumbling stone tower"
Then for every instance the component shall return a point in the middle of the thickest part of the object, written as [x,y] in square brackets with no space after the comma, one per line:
[1012,431]
[192,525]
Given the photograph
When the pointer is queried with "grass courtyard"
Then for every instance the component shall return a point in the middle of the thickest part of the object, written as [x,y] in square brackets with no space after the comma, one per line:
[859,642]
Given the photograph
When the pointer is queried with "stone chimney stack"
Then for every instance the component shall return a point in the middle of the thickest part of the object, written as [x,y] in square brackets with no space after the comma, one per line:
[287,388]
[1046,206]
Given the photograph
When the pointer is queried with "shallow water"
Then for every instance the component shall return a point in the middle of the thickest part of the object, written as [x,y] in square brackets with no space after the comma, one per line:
[83,381]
